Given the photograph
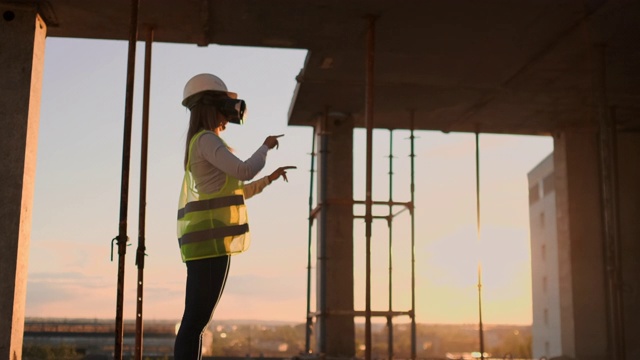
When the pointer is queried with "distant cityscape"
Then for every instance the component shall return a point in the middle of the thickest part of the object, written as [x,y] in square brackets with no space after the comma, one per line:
[93,339]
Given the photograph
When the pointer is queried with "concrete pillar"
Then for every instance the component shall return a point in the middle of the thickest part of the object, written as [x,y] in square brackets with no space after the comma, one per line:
[335,330]
[22,43]
[629,235]
[583,294]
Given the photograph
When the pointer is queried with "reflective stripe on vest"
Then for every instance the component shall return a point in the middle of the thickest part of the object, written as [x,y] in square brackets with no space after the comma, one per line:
[211,224]
[211,204]
[222,232]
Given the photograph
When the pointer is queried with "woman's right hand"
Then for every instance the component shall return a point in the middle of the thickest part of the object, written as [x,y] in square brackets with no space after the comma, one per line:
[281,171]
[272,141]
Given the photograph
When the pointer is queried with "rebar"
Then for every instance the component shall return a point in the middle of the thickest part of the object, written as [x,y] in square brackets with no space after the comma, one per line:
[321,304]
[307,339]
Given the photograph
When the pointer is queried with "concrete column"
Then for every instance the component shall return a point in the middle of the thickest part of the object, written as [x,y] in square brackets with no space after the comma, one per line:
[22,43]
[335,330]
[629,233]
[580,245]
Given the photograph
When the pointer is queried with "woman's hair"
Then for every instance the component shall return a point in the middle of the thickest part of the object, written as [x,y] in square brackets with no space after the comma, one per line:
[203,116]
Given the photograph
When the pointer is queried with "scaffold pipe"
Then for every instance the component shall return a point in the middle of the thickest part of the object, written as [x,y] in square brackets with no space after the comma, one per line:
[122,237]
[480,325]
[390,224]
[412,157]
[140,252]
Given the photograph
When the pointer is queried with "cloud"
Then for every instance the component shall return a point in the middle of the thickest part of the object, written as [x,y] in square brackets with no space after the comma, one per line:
[57,294]
[56,255]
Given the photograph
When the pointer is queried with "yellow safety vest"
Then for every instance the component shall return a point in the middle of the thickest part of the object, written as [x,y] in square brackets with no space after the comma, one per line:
[211,225]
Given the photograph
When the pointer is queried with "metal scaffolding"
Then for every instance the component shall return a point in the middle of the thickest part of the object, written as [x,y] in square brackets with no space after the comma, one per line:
[368,217]
[393,212]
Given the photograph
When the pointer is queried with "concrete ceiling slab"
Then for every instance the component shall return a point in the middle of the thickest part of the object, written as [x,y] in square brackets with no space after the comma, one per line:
[522,67]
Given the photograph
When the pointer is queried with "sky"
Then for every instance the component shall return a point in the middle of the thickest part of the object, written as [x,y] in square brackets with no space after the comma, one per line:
[76,206]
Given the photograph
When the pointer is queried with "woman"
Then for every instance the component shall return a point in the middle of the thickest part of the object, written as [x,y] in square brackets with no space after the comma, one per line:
[212,218]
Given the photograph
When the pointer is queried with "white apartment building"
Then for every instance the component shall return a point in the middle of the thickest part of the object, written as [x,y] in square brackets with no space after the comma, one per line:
[546,330]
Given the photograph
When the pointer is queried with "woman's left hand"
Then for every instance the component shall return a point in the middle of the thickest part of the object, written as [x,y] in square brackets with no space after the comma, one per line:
[281,171]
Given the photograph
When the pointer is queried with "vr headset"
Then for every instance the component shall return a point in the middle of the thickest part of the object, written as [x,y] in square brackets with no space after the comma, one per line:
[233,109]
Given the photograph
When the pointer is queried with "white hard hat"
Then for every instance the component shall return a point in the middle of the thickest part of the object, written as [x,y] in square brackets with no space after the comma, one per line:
[205,82]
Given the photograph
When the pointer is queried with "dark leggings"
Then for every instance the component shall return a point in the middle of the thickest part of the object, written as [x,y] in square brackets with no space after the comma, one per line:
[205,283]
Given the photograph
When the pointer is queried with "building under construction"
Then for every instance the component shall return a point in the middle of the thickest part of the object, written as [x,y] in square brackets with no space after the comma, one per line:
[562,68]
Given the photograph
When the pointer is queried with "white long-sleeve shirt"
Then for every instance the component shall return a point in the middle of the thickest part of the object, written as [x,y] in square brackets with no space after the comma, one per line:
[211,160]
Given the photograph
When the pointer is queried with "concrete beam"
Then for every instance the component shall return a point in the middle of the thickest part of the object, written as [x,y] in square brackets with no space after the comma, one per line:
[22,41]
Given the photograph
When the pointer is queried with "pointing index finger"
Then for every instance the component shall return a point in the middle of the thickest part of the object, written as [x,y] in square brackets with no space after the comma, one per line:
[289,167]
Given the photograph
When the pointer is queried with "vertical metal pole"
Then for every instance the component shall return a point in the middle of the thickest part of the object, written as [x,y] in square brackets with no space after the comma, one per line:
[368,111]
[307,339]
[609,194]
[390,224]
[478,234]
[124,185]
[140,252]
[412,155]
[321,338]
